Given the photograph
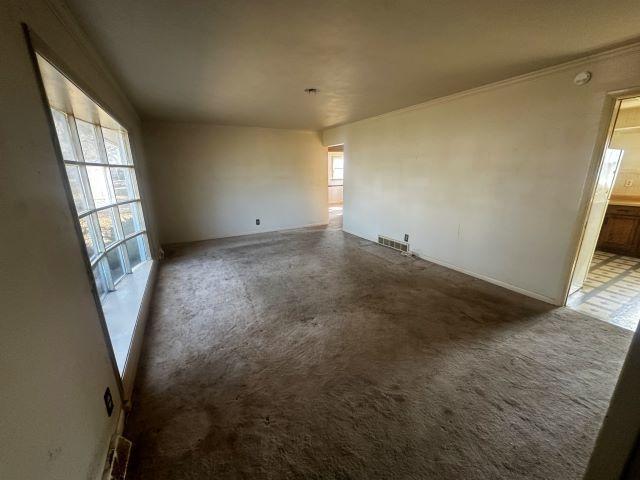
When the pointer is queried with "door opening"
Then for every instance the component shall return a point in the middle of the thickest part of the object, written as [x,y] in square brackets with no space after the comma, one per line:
[606,275]
[336,185]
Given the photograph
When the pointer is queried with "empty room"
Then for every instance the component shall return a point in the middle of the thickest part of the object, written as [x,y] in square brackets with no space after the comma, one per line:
[365,239]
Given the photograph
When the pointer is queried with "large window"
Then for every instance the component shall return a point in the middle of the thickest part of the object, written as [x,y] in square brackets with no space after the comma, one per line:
[103,183]
[102,179]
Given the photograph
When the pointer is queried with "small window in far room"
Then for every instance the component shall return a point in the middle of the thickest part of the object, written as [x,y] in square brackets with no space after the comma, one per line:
[337,167]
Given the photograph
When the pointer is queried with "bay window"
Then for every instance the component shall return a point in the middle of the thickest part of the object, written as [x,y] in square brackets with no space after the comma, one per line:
[102,180]
[105,199]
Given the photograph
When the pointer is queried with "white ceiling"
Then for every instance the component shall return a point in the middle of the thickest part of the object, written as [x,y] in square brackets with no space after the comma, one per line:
[247,62]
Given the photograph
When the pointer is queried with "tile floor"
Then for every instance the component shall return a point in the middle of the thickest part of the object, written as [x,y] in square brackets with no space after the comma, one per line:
[611,291]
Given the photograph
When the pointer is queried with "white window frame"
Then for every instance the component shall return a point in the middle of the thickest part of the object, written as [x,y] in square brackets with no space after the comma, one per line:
[332,157]
[90,214]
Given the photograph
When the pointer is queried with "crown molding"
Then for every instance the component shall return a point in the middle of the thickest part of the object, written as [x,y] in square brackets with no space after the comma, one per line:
[604,55]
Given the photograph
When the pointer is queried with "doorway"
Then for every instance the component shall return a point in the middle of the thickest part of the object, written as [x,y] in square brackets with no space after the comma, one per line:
[606,277]
[335,163]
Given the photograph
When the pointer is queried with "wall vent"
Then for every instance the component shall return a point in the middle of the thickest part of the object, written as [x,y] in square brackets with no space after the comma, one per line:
[118,460]
[395,244]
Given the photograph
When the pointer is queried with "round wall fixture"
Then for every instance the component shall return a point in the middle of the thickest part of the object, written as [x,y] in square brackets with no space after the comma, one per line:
[582,78]
[311,91]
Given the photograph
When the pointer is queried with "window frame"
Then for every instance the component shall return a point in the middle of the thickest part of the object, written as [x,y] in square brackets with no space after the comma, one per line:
[39,51]
[90,214]
[333,156]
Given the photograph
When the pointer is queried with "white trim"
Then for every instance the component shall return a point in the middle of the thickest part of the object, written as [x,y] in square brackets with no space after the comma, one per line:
[615,52]
[332,157]
[609,117]
[248,233]
[128,375]
[491,280]
[479,276]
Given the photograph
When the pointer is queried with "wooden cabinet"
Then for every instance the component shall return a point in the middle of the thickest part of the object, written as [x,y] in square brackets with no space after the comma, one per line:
[620,231]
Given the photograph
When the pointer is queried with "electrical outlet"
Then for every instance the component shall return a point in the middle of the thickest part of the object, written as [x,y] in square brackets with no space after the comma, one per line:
[108,401]
[257,221]
[406,237]
[628,183]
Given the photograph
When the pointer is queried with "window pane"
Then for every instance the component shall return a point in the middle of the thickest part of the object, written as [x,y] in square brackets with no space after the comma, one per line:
[115,264]
[131,218]
[337,164]
[89,240]
[64,135]
[144,247]
[123,183]
[114,145]
[88,141]
[75,182]
[101,285]
[100,188]
[107,226]
[136,250]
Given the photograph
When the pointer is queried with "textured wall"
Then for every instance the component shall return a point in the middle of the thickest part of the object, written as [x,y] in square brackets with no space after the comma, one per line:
[490,182]
[214,181]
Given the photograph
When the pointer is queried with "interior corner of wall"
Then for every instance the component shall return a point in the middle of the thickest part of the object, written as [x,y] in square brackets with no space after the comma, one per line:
[332,136]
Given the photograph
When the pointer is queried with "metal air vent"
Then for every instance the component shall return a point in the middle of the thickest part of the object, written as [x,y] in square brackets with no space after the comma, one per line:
[395,244]
[118,460]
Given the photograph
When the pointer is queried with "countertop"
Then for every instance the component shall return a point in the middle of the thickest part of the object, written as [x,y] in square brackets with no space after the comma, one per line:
[625,201]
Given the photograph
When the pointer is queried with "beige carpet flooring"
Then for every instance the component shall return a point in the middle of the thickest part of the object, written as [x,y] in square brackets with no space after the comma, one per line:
[313,354]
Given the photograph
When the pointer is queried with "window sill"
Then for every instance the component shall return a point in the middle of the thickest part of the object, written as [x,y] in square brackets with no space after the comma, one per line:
[121,309]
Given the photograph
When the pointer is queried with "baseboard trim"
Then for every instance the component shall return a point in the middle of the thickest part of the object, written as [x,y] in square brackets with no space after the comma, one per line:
[246,233]
[479,276]
[135,348]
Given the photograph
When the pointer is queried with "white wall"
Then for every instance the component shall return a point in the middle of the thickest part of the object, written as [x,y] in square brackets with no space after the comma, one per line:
[629,141]
[618,438]
[54,361]
[490,181]
[214,181]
